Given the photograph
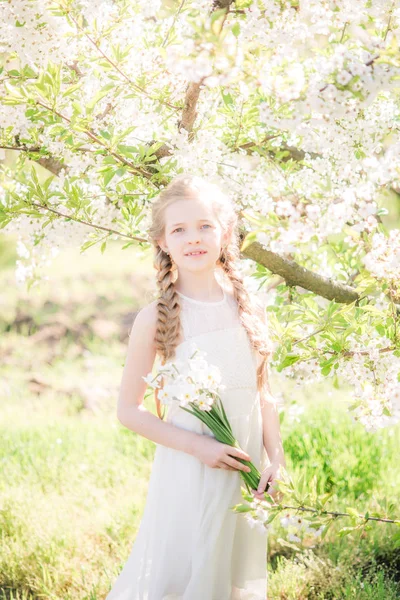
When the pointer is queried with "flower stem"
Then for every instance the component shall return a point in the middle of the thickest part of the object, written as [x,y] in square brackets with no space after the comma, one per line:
[217,421]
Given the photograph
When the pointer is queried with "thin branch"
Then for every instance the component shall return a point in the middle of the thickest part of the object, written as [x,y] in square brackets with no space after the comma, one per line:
[339,514]
[389,22]
[343,31]
[363,352]
[173,23]
[96,140]
[87,223]
[116,67]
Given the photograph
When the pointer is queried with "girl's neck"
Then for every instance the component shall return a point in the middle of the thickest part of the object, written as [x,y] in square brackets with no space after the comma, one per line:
[209,290]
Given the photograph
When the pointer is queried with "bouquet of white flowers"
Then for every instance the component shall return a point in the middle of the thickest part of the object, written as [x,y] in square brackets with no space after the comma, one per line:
[196,385]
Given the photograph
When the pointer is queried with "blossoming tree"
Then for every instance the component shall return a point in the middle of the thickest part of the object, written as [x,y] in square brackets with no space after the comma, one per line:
[291,106]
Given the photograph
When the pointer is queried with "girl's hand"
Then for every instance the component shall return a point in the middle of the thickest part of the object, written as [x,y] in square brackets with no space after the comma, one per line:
[220,456]
[270,473]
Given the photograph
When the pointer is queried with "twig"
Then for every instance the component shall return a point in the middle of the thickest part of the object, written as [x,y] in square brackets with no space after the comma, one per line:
[83,222]
[339,514]
[116,67]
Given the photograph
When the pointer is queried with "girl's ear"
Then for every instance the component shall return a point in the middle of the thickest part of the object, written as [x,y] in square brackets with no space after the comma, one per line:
[226,237]
[161,243]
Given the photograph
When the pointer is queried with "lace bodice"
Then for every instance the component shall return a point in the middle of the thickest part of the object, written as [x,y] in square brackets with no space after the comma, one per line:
[199,317]
[215,327]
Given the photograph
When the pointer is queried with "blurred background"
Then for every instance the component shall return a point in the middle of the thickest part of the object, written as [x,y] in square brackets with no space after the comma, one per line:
[73,480]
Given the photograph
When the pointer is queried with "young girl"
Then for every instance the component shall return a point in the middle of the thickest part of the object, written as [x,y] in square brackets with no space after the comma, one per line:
[190,544]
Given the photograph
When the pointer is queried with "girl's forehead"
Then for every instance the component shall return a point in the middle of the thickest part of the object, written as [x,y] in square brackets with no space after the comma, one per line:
[189,210]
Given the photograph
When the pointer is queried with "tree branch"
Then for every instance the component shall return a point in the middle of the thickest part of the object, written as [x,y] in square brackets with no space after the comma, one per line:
[294,275]
[87,223]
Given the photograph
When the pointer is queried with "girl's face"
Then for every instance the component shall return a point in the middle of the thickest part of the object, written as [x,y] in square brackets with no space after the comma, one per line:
[191,226]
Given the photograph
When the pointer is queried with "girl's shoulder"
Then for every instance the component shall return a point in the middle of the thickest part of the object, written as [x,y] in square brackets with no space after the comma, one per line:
[147,316]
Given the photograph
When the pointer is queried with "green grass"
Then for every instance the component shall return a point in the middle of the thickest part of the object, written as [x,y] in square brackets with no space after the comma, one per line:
[74,481]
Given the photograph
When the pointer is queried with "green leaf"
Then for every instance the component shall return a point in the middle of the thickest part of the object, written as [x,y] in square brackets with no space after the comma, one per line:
[77,107]
[326,370]
[290,359]
[236,29]
[108,175]
[48,182]
[258,221]
[72,89]
[34,176]
[217,14]
[227,99]
[352,512]
[346,531]
[241,508]
[128,244]
[380,329]
[249,239]
[105,134]
[88,244]
[99,96]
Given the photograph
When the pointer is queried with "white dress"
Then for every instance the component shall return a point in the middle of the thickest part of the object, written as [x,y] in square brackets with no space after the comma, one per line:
[190,544]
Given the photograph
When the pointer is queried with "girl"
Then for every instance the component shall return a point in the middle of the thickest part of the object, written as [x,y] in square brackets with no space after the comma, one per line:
[190,544]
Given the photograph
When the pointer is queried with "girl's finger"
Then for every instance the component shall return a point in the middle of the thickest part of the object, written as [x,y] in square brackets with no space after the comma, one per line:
[262,485]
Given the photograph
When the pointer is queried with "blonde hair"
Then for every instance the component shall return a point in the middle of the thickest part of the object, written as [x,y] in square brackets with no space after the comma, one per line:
[186,187]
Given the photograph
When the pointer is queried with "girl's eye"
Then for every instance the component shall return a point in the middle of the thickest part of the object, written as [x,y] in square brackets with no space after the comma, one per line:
[205,225]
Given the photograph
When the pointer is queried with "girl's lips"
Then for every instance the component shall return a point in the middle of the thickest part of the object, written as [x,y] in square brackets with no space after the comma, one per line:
[194,255]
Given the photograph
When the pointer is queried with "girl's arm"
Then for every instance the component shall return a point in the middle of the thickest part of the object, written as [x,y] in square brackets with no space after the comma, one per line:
[271,428]
[139,362]
[270,416]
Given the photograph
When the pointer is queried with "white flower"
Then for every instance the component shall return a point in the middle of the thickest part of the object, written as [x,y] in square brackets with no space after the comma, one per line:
[204,402]
[163,396]
[254,522]
[315,532]
[151,380]
[185,392]
[262,514]
[285,521]
[213,377]
[343,77]
[169,392]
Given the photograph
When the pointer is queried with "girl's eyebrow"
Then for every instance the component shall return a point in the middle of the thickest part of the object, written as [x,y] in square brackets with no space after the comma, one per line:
[199,220]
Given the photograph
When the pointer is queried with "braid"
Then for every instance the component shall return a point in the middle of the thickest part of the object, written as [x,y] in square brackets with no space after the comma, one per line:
[256,329]
[168,310]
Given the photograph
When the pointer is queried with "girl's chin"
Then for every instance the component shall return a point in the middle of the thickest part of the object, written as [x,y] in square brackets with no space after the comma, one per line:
[197,262]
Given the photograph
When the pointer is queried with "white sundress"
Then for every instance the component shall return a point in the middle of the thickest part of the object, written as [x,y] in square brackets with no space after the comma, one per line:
[190,544]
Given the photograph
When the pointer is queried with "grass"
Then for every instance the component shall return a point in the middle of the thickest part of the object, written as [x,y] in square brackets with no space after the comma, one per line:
[73,481]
